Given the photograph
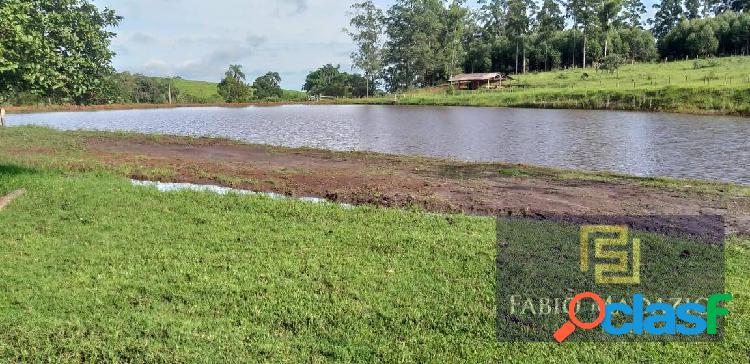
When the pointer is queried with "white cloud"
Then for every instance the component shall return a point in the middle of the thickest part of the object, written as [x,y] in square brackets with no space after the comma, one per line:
[197,39]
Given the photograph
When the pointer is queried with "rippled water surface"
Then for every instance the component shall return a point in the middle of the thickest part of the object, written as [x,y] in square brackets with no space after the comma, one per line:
[644,144]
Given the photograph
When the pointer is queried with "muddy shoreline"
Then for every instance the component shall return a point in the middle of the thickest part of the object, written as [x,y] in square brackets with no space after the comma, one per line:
[436,185]
[367,178]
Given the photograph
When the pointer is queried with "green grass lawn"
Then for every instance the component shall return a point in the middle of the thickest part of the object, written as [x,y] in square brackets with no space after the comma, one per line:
[726,72]
[720,85]
[201,90]
[94,269]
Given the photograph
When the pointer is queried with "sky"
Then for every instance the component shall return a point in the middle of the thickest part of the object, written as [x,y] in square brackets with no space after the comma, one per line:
[198,39]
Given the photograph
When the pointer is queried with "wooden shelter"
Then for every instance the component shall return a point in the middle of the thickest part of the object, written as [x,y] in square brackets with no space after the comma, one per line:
[473,81]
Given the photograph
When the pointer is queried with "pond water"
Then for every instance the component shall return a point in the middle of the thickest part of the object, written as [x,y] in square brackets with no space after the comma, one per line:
[643,144]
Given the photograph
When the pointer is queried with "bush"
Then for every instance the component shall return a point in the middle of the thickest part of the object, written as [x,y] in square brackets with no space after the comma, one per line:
[611,63]
[707,63]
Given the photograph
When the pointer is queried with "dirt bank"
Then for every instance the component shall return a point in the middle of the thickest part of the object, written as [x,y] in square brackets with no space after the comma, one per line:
[431,184]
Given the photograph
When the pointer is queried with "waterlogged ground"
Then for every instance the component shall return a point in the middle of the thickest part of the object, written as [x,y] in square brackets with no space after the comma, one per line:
[96,269]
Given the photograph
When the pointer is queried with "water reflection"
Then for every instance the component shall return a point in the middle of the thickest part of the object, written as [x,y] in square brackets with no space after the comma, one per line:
[645,144]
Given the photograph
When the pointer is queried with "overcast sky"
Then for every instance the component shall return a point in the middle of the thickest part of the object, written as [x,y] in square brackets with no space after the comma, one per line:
[198,39]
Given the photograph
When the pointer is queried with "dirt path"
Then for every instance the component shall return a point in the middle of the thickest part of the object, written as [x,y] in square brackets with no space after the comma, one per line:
[7,199]
[432,184]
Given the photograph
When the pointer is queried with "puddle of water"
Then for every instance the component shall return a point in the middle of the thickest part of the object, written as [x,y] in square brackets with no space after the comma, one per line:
[170,187]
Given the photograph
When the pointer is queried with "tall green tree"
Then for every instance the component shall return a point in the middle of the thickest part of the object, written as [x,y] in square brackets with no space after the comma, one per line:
[722,6]
[366,30]
[233,87]
[741,5]
[550,18]
[693,9]
[477,43]
[55,49]
[725,34]
[493,15]
[584,15]
[703,42]
[415,51]
[667,16]
[455,26]
[357,86]
[326,81]
[609,11]
[268,86]
[632,13]
[517,25]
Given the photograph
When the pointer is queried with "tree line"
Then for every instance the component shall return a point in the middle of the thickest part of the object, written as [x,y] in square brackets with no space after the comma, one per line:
[234,88]
[329,80]
[419,43]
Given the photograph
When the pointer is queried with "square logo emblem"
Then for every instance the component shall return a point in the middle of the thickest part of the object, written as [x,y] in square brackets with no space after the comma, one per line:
[611,278]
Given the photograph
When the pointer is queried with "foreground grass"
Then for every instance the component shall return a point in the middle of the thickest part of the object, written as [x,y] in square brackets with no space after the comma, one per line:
[95,269]
[718,86]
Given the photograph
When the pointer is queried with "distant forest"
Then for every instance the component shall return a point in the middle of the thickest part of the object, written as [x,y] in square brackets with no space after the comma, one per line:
[420,43]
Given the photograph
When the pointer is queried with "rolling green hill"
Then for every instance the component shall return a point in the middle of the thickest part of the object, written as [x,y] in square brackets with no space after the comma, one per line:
[200,90]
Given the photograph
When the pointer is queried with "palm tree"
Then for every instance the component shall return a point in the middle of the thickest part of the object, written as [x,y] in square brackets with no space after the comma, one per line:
[235,71]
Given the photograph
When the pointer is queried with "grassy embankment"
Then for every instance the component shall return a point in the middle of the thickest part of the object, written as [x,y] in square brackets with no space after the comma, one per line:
[717,86]
[96,269]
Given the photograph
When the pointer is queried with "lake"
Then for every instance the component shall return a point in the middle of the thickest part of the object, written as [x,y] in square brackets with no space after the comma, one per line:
[642,144]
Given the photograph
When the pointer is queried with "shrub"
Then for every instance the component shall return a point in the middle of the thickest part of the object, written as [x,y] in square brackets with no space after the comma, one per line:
[611,63]
[705,63]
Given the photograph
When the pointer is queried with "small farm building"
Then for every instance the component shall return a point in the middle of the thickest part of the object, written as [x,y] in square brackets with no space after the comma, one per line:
[474,81]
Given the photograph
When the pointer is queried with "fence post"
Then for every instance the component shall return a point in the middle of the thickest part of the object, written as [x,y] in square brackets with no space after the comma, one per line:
[2,117]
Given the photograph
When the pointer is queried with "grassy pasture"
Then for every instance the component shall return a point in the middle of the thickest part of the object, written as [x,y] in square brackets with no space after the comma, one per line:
[201,90]
[95,269]
[727,72]
[720,85]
